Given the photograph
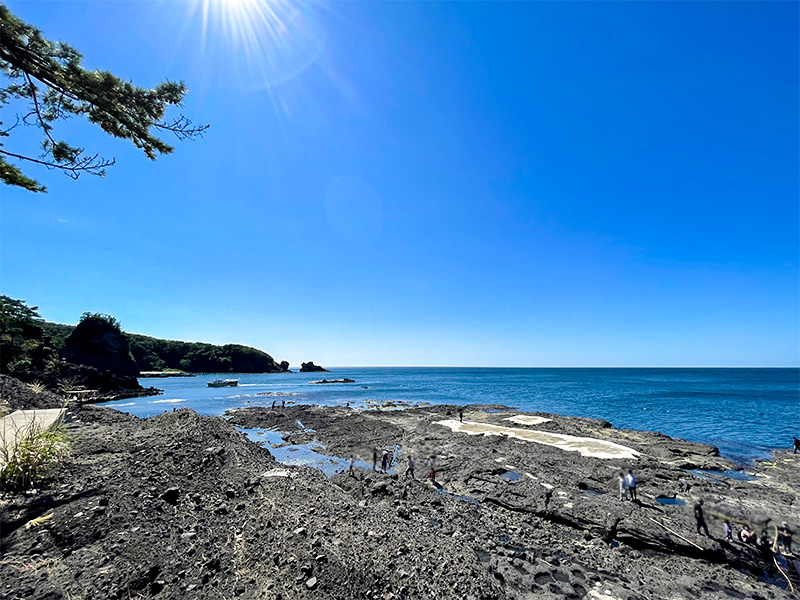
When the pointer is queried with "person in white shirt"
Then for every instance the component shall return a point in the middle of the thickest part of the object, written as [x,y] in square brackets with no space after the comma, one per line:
[630,481]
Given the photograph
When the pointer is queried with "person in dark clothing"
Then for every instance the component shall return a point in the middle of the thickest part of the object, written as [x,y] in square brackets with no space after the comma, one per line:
[785,538]
[796,445]
[700,518]
[374,459]
[410,469]
[461,415]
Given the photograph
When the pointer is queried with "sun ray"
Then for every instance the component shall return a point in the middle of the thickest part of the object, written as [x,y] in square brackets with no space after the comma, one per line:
[279,38]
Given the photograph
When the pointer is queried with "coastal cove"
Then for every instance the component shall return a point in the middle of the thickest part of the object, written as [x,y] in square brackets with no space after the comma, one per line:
[746,413]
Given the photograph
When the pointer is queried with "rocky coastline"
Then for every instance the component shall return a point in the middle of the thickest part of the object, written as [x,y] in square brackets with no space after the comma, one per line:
[522,506]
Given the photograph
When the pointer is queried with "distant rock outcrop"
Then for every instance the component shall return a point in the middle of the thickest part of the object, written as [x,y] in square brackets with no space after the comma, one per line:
[97,341]
[97,357]
[310,367]
[285,366]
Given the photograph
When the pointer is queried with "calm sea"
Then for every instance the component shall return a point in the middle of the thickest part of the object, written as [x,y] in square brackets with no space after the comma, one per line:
[745,412]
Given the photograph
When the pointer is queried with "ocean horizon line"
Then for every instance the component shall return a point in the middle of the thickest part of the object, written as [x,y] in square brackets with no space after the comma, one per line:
[558,367]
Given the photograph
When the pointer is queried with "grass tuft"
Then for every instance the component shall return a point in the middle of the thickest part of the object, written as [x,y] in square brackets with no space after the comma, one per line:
[37,387]
[25,459]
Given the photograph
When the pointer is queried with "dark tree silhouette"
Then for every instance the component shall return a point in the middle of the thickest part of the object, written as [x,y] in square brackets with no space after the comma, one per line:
[47,81]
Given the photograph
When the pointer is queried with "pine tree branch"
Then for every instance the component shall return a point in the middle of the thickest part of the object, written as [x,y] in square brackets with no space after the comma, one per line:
[44,126]
[73,169]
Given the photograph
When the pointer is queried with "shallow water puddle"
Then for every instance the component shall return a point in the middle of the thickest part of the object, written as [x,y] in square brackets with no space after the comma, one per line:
[511,476]
[300,455]
[666,500]
[726,474]
[469,499]
[585,445]
[721,477]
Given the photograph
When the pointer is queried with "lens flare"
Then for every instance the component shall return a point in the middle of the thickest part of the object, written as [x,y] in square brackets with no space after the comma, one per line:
[272,41]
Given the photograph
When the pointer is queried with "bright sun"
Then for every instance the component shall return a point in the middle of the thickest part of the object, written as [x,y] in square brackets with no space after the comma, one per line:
[277,39]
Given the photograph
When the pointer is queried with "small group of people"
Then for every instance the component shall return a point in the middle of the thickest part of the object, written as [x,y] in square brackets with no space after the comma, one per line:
[431,468]
[387,459]
[783,542]
[746,535]
[627,486]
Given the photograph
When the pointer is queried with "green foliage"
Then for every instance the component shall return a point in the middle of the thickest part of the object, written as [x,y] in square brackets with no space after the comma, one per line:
[152,354]
[26,459]
[56,333]
[102,321]
[20,335]
[48,84]
[16,317]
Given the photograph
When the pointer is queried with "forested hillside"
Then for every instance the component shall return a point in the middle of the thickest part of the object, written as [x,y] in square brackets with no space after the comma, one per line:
[154,354]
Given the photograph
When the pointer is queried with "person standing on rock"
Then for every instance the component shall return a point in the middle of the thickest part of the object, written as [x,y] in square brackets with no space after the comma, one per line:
[384,460]
[283,403]
[461,415]
[630,482]
[785,538]
[623,486]
[431,468]
[352,462]
[796,445]
[728,531]
[374,459]
[700,518]
[410,468]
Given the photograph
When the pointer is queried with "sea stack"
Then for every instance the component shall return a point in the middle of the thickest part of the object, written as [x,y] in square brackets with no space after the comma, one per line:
[309,367]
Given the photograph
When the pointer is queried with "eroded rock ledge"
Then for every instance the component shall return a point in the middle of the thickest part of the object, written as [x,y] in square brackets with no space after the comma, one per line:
[180,506]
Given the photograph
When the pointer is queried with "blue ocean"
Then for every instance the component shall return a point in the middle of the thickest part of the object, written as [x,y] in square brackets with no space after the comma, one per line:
[746,413]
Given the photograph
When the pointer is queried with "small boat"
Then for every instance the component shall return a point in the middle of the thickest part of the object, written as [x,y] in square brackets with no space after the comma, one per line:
[223,383]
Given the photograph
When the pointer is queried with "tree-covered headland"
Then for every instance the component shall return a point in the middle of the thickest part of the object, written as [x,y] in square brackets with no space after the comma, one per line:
[97,354]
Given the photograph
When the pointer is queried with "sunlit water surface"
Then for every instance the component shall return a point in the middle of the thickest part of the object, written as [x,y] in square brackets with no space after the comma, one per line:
[745,412]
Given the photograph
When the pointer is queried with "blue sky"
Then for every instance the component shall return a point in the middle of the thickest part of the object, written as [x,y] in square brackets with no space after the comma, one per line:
[473,184]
